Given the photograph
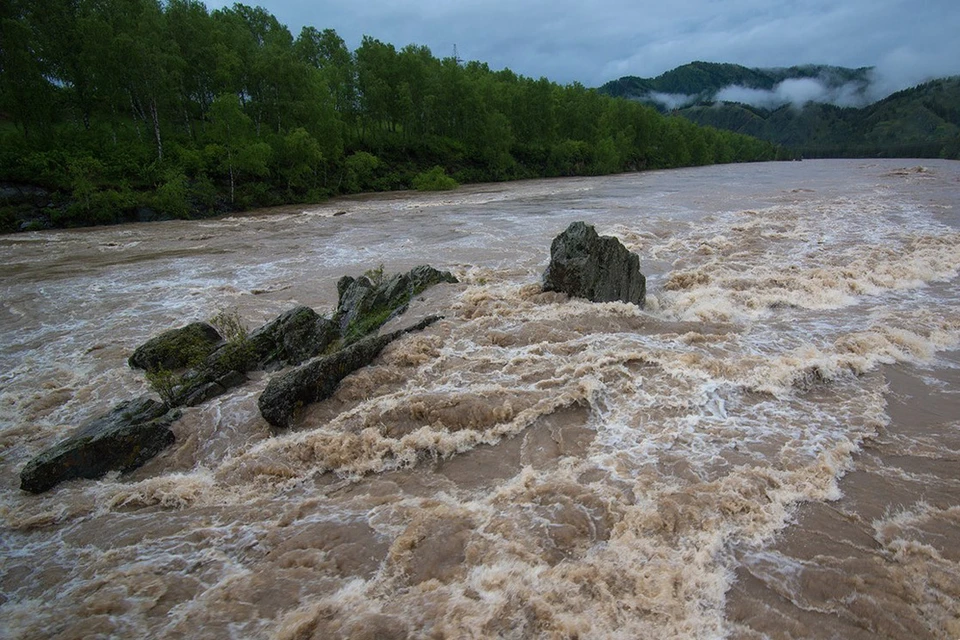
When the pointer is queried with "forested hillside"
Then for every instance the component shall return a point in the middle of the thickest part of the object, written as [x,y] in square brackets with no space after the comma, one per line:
[700,81]
[114,110]
[811,111]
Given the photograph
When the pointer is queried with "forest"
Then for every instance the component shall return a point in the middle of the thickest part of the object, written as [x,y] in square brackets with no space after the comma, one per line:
[121,110]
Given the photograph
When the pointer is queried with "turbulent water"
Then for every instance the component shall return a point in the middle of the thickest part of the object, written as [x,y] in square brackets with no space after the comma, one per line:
[769,449]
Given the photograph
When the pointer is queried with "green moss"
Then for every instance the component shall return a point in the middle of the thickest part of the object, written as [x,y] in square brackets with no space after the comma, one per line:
[370,322]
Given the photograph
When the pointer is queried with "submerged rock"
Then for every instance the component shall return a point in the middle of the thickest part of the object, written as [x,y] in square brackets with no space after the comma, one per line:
[319,378]
[368,302]
[599,268]
[120,440]
[176,348]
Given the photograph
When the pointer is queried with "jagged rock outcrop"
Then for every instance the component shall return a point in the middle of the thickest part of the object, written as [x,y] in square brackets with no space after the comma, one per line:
[599,268]
[291,338]
[120,440]
[318,379]
[367,302]
[176,348]
[194,363]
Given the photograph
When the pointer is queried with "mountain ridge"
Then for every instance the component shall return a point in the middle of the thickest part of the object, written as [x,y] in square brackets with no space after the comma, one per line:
[704,79]
[812,110]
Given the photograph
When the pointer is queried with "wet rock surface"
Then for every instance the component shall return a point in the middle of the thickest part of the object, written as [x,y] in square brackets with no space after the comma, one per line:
[291,338]
[318,379]
[599,268]
[176,348]
[194,363]
[120,440]
[368,302]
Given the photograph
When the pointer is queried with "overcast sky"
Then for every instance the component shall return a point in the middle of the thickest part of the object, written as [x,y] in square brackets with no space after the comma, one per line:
[593,41]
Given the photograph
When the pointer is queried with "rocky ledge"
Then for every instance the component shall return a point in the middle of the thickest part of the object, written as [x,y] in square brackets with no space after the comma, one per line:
[122,439]
[191,364]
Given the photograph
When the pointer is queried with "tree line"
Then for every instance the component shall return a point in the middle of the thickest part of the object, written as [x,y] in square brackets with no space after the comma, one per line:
[119,106]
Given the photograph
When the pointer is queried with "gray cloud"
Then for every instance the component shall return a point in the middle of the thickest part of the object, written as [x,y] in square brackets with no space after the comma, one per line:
[798,92]
[671,100]
[595,41]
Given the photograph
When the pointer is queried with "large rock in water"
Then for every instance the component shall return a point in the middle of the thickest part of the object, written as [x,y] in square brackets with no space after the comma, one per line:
[291,338]
[120,440]
[176,348]
[319,378]
[587,265]
[367,302]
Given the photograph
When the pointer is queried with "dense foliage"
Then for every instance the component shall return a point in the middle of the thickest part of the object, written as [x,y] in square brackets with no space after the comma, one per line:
[127,109]
[923,121]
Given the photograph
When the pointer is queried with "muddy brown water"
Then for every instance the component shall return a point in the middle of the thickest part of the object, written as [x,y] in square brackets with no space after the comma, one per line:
[768,450]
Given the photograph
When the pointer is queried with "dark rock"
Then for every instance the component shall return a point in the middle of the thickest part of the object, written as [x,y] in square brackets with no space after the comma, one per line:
[123,439]
[318,379]
[199,393]
[367,302]
[146,214]
[292,337]
[177,348]
[598,268]
[216,366]
[37,223]
[15,193]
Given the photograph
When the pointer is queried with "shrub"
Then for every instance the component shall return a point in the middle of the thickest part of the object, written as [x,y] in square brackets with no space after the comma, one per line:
[171,196]
[164,382]
[436,179]
[239,350]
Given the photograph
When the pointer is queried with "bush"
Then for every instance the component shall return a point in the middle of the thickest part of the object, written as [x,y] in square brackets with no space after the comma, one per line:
[435,179]
[239,350]
[171,197]
[165,383]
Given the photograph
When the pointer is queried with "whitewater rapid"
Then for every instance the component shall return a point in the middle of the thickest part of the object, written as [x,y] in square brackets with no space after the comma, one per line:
[766,450]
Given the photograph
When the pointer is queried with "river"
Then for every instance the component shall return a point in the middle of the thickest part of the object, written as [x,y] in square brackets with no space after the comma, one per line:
[769,449]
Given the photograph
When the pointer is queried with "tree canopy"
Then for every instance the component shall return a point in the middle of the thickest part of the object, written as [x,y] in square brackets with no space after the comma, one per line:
[117,106]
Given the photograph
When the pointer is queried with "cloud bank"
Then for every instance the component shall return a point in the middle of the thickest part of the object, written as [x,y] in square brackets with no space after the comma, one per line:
[798,92]
[594,41]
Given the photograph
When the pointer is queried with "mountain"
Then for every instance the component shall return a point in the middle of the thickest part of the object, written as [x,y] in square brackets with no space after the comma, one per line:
[813,110]
[709,81]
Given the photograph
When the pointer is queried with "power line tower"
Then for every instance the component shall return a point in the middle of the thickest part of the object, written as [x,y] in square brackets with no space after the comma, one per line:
[456,56]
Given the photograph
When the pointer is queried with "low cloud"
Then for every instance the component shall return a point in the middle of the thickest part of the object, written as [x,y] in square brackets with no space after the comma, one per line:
[671,100]
[798,92]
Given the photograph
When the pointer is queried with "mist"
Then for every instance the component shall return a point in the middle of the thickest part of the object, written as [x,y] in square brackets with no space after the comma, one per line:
[798,92]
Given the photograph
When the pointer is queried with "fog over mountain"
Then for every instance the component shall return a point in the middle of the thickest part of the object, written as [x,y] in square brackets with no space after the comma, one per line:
[772,88]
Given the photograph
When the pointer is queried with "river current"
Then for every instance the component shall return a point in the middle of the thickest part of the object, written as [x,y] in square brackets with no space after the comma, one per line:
[769,449]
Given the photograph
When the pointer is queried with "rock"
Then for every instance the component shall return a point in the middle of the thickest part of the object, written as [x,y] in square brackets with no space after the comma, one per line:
[292,337]
[177,348]
[122,439]
[319,378]
[146,214]
[201,392]
[367,302]
[16,193]
[598,268]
